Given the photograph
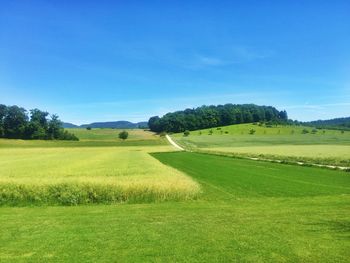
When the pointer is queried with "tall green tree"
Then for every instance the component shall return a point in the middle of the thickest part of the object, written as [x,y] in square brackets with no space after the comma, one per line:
[3,111]
[54,127]
[15,122]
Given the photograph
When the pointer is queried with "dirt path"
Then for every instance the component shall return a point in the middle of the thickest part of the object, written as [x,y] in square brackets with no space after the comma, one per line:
[174,143]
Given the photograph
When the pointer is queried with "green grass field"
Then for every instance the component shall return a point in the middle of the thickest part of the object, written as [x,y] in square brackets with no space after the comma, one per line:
[92,138]
[278,142]
[106,134]
[248,212]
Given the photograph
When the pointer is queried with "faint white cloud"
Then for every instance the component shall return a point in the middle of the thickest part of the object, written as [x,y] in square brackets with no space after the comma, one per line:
[225,56]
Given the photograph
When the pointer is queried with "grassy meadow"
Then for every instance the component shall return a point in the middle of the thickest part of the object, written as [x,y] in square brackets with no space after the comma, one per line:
[92,138]
[249,211]
[277,142]
[107,134]
[101,199]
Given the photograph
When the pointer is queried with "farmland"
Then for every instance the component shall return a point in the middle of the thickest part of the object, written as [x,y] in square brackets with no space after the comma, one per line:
[174,131]
[248,211]
[70,176]
[106,134]
[277,142]
[91,138]
[101,198]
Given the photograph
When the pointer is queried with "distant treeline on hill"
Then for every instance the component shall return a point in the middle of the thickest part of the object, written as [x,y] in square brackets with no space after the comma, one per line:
[337,123]
[212,116]
[109,124]
[16,124]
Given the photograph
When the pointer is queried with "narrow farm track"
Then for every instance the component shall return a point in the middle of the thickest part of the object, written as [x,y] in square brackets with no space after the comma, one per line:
[174,143]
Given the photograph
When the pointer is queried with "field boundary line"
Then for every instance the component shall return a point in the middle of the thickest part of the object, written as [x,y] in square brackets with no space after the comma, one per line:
[174,143]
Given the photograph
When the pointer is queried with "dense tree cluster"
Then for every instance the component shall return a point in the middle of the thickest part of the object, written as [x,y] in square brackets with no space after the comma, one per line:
[213,116]
[16,124]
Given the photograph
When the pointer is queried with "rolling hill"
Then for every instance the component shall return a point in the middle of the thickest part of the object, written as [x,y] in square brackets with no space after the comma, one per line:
[110,124]
[337,123]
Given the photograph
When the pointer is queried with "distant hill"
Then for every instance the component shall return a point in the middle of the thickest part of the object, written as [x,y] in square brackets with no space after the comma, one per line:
[69,125]
[337,123]
[109,124]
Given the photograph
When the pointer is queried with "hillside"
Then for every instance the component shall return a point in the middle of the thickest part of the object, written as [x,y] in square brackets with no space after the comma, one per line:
[110,124]
[339,123]
[66,125]
[281,142]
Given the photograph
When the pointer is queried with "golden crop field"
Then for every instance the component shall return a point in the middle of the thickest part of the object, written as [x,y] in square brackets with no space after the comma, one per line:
[89,175]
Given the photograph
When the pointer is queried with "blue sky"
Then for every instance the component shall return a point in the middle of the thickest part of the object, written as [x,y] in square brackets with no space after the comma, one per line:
[129,60]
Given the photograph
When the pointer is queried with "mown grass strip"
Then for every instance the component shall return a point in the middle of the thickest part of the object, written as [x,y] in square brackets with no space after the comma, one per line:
[248,178]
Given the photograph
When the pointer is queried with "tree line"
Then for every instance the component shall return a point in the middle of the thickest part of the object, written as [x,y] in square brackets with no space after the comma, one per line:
[213,116]
[16,123]
[336,124]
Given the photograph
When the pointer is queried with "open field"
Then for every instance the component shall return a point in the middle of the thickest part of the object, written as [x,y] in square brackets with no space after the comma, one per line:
[85,175]
[243,129]
[249,212]
[91,138]
[106,134]
[280,142]
[338,155]
[240,178]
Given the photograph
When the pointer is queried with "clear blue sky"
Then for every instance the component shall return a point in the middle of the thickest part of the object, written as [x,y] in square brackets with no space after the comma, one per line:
[129,60]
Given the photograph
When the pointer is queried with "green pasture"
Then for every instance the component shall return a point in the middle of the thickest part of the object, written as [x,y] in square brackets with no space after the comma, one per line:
[277,142]
[107,134]
[249,211]
[263,129]
[91,138]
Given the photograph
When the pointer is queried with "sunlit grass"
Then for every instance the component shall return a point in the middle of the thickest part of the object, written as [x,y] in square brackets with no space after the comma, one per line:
[278,142]
[89,175]
[107,134]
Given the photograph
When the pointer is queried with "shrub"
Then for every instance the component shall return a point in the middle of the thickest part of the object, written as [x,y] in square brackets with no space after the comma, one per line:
[65,135]
[186,133]
[305,131]
[252,131]
[314,131]
[88,128]
[162,134]
[123,135]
